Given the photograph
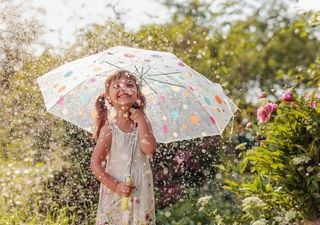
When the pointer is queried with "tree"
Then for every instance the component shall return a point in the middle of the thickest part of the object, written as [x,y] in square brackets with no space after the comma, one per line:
[17,34]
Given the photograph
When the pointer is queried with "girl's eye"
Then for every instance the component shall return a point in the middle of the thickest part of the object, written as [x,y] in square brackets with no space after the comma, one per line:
[117,86]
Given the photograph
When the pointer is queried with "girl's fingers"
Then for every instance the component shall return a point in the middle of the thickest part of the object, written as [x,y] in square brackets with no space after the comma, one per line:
[126,194]
[126,190]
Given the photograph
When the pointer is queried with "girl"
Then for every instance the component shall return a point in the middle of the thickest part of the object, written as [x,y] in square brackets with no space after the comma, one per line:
[126,143]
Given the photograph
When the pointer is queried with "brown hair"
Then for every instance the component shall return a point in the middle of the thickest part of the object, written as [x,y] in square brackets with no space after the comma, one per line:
[101,110]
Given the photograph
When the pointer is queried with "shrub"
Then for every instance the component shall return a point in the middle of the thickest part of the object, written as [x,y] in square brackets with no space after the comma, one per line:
[282,172]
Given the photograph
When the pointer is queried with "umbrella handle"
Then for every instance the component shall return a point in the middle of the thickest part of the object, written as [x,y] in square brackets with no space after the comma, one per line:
[125,200]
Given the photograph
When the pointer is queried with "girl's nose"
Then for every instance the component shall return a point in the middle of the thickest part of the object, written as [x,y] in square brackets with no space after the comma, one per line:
[122,87]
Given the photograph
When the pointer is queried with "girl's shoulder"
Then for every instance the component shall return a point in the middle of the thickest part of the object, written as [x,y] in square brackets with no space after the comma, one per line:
[106,129]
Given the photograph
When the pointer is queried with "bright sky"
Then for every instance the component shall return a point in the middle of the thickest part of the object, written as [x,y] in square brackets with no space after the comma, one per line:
[63,17]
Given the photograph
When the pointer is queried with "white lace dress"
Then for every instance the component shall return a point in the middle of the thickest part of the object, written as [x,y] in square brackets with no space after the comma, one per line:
[142,209]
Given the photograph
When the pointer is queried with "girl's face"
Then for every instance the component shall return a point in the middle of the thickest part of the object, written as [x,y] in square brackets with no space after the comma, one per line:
[123,92]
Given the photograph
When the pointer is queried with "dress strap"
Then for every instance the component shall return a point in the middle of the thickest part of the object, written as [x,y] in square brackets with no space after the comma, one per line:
[135,140]
[110,124]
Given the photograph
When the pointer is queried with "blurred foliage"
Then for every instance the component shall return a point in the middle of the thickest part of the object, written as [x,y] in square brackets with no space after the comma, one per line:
[17,217]
[182,165]
[17,33]
[210,204]
[247,48]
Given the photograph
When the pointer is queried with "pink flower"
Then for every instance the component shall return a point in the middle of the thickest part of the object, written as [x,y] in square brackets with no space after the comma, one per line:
[314,104]
[265,111]
[274,106]
[287,96]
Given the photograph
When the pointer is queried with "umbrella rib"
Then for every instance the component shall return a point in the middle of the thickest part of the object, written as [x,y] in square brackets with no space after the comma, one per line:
[145,73]
[153,75]
[111,64]
[165,82]
[137,70]
[149,85]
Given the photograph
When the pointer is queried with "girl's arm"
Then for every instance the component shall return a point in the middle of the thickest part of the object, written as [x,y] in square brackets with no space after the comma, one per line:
[99,155]
[147,140]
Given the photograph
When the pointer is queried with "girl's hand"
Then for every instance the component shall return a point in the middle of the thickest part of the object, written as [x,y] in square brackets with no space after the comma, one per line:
[124,189]
[136,115]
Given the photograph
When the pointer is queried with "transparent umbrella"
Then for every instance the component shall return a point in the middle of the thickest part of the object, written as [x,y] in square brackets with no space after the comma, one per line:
[181,103]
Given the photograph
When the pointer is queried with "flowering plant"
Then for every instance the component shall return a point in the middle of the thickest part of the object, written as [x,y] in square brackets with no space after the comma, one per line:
[283,169]
[265,111]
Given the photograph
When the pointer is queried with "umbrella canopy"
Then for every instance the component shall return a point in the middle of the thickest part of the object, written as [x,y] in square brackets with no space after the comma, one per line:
[180,102]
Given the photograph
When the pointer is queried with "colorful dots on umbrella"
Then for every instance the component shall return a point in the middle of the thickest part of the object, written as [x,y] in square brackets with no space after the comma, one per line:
[93,80]
[194,119]
[156,56]
[109,53]
[162,98]
[96,69]
[165,129]
[181,77]
[152,99]
[175,88]
[146,90]
[60,101]
[186,93]
[81,112]
[191,88]
[184,126]
[207,100]
[181,64]
[218,99]
[188,74]
[85,98]
[67,74]
[174,114]
[128,55]
[147,60]
[62,89]
[212,120]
